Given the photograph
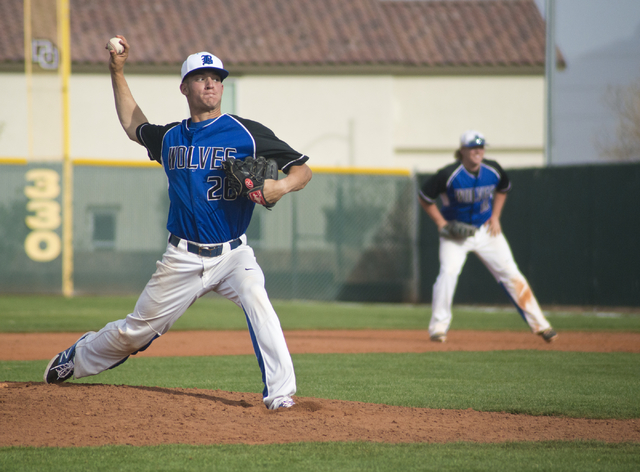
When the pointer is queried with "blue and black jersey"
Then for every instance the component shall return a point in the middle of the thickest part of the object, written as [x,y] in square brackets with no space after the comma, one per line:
[465,196]
[202,208]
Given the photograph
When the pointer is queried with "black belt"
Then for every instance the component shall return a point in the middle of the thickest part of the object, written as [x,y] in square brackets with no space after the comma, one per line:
[205,251]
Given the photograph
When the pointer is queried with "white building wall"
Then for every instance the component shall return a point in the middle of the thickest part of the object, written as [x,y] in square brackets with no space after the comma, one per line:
[44,120]
[432,112]
[95,130]
[339,121]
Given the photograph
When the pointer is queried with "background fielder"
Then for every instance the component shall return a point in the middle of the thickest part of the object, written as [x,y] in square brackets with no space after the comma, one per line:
[473,191]
[207,248]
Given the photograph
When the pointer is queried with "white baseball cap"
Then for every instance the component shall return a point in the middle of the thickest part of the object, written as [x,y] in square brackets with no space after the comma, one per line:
[203,60]
[472,139]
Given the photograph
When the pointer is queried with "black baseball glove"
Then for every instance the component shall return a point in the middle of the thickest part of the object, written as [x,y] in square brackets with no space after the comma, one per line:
[246,178]
[457,230]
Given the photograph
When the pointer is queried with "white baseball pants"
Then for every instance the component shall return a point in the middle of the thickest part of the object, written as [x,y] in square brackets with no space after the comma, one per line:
[180,279]
[495,253]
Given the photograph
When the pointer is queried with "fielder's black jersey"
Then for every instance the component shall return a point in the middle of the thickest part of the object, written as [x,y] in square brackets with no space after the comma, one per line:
[202,208]
[466,197]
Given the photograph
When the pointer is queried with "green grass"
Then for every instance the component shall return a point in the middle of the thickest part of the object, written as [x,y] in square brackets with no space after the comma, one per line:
[59,314]
[526,456]
[593,385]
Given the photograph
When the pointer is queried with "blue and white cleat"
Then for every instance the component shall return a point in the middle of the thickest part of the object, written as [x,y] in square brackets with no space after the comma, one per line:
[286,402]
[60,368]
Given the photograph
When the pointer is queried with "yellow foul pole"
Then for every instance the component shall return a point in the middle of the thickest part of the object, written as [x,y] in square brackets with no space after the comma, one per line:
[28,71]
[64,46]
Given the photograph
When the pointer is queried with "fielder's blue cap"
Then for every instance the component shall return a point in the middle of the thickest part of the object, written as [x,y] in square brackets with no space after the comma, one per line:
[472,139]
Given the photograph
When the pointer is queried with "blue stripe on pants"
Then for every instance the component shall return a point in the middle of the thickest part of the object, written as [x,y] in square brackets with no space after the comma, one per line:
[256,349]
[514,303]
[119,363]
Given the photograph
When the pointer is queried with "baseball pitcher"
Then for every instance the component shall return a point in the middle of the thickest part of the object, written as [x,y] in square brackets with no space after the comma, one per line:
[218,166]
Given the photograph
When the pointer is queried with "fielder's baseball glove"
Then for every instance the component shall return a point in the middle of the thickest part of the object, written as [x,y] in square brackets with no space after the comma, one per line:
[246,178]
[457,230]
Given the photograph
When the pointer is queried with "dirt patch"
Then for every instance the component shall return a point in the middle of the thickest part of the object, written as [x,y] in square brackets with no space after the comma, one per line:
[35,414]
[41,346]
[91,415]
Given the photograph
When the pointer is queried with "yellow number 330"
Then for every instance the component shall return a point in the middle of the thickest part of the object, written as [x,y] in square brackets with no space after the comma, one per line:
[43,244]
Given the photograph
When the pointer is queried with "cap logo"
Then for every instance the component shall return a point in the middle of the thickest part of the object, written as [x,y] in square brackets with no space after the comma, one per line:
[206,59]
[475,141]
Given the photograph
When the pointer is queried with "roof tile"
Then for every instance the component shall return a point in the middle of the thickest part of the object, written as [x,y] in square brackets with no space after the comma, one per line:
[274,33]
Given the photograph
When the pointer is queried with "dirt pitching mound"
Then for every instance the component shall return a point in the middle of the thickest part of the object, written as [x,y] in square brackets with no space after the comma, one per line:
[92,415]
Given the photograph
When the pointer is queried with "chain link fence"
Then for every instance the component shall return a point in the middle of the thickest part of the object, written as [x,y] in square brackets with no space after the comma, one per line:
[349,237]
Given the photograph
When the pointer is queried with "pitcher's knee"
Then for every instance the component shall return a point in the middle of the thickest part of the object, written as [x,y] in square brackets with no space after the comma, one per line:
[131,340]
[252,291]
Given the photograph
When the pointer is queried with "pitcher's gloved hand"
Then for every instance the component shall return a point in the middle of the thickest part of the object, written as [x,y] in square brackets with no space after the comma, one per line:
[246,177]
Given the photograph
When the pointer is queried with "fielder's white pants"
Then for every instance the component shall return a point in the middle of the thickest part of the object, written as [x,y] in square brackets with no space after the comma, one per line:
[495,253]
[180,279]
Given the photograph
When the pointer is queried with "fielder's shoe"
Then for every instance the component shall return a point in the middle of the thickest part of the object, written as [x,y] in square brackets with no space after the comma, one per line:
[549,335]
[286,402]
[439,337]
[60,368]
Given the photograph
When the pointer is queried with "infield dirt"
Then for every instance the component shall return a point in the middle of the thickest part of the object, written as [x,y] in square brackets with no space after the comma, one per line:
[72,414]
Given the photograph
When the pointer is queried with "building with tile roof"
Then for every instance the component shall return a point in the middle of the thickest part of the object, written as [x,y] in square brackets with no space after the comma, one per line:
[357,83]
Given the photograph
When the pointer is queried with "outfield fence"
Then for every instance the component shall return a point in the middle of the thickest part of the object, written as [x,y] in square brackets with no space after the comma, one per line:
[350,235]
[346,236]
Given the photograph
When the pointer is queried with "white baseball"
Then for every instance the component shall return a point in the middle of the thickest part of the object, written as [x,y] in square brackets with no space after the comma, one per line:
[114,44]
